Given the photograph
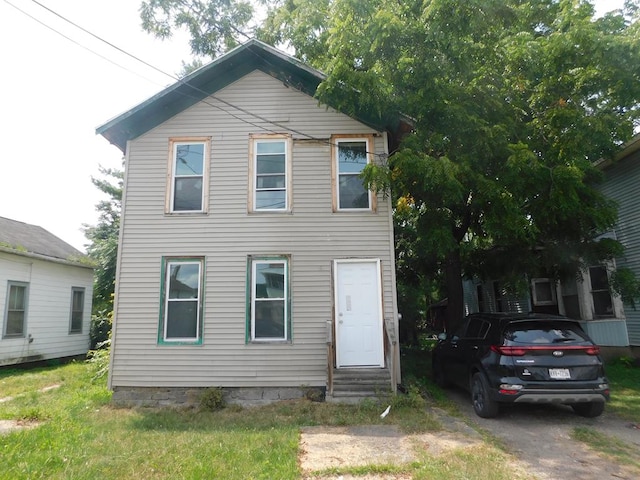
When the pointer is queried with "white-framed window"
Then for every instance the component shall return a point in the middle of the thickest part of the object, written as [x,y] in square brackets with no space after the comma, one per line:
[181,311]
[544,291]
[15,314]
[77,310]
[268,302]
[350,155]
[600,292]
[189,175]
[270,171]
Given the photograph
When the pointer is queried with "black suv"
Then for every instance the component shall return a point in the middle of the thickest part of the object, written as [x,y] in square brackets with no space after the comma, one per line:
[522,358]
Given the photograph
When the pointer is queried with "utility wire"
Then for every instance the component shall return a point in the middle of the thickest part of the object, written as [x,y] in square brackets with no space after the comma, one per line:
[175,78]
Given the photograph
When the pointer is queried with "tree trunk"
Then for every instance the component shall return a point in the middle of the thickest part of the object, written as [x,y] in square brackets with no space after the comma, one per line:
[455,303]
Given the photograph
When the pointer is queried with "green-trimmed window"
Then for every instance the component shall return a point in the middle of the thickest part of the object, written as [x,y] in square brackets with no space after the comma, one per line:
[77,310]
[15,315]
[181,317]
[268,303]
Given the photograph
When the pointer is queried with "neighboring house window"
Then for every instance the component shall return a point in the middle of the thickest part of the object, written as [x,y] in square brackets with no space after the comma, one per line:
[602,302]
[350,156]
[189,166]
[268,299]
[181,313]
[570,297]
[77,309]
[544,291]
[481,300]
[499,297]
[270,157]
[15,317]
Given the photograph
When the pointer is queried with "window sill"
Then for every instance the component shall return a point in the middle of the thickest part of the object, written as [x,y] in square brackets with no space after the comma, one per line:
[269,342]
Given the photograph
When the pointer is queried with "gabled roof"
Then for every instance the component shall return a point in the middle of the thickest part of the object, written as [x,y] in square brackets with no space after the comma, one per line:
[210,78]
[33,241]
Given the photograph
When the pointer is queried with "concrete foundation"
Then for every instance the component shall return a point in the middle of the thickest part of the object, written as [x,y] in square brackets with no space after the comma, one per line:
[190,396]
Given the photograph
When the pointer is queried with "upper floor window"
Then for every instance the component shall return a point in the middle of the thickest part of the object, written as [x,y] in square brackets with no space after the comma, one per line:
[77,310]
[15,315]
[270,173]
[189,168]
[351,155]
[268,299]
[181,314]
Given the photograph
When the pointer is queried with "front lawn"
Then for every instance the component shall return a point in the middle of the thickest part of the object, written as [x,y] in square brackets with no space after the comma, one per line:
[75,433]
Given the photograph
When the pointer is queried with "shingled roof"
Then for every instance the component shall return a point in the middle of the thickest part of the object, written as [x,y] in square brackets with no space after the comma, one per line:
[31,240]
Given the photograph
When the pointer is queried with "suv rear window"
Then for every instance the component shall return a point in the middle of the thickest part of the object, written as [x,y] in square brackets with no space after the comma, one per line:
[544,333]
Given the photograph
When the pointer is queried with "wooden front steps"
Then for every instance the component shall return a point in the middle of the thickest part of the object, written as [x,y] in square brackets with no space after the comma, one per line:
[352,385]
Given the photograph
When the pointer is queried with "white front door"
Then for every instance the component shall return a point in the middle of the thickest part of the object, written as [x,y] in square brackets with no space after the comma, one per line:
[358,321]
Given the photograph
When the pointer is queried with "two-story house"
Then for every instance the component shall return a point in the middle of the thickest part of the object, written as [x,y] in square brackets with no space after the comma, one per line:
[251,256]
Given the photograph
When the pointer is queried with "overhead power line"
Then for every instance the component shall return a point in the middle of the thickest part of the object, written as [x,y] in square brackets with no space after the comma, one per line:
[173,77]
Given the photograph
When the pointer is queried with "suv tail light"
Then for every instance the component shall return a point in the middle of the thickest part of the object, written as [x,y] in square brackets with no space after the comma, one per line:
[509,351]
[521,351]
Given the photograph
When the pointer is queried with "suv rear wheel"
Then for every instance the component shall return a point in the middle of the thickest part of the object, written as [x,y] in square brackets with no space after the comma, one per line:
[483,405]
[589,410]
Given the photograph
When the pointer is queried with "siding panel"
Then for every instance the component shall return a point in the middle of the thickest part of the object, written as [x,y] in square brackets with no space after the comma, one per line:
[622,184]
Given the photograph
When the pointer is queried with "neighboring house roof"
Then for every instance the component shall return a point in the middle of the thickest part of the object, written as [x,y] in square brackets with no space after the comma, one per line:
[34,241]
[210,78]
[627,150]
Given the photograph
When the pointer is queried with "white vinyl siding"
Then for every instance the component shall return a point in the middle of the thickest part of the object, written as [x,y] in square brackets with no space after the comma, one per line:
[46,335]
[311,234]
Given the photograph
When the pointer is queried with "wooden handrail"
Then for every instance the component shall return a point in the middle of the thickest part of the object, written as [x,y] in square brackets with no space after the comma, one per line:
[329,357]
[390,350]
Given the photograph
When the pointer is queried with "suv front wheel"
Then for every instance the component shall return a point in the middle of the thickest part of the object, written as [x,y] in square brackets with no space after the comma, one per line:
[483,404]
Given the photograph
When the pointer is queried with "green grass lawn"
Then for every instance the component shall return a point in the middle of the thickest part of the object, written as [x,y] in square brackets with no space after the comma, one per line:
[78,434]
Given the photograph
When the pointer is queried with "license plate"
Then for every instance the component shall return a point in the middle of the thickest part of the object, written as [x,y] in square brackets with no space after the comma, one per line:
[559,373]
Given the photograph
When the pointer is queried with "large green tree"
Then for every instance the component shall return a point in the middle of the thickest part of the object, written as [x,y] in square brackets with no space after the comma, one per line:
[512,102]
[103,237]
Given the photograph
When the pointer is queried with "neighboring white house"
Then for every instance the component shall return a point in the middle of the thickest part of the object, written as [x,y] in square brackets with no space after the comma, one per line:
[45,295]
[251,256]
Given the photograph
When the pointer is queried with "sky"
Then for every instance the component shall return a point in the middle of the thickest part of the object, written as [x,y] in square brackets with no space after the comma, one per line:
[54,92]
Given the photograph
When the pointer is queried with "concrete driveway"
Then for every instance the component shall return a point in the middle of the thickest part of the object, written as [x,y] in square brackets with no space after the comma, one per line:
[540,437]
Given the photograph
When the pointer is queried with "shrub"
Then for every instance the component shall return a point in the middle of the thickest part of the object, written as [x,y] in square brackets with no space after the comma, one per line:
[100,329]
[212,399]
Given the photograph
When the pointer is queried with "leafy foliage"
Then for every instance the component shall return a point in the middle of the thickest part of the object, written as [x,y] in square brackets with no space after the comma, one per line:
[103,248]
[214,25]
[509,115]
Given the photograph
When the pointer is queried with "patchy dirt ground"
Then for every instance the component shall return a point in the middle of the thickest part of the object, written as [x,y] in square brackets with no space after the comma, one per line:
[334,447]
